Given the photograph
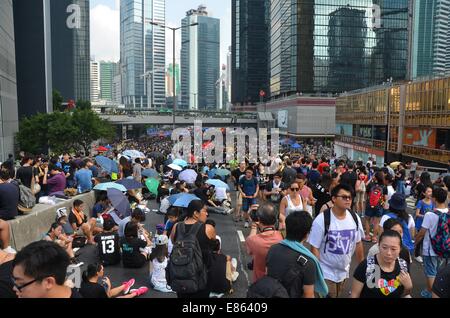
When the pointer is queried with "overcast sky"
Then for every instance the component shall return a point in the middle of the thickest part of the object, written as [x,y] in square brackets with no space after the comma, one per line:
[105,26]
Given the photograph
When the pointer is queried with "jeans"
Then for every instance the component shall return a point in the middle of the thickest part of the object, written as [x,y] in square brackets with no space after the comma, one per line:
[216,210]
[400,187]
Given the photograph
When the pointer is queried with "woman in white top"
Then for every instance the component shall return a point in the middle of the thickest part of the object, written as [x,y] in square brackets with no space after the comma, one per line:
[290,203]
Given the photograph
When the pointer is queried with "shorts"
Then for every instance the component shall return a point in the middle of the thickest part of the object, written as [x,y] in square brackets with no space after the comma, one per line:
[238,199]
[79,232]
[360,197]
[431,265]
[247,203]
[374,212]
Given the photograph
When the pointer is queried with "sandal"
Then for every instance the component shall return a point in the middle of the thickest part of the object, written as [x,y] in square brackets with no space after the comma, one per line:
[367,239]
[374,240]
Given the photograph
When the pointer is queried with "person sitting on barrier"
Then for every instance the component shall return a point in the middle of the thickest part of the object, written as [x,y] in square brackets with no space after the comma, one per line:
[90,288]
[80,223]
[5,237]
[39,271]
[6,285]
[54,234]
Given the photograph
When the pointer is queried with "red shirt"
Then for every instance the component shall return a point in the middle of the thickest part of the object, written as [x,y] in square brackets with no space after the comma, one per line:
[321,166]
[258,247]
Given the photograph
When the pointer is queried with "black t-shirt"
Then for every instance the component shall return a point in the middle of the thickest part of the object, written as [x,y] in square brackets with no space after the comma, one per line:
[441,286]
[6,285]
[280,259]
[73,219]
[202,195]
[274,198]
[217,281]
[350,178]
[25,174]
[9,199]
[388,286]
[131,255]
[237,174]
[69,167]
[108,248]
[313,176]
[321,195]
[92,290]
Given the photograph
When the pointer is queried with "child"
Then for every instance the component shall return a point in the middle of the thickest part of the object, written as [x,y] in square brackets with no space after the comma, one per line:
[159,259]
[172,218]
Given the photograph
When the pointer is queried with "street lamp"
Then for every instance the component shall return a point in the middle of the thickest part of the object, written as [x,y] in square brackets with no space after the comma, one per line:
[173,63]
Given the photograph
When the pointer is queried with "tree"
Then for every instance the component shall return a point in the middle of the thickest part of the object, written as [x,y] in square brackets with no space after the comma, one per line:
[90,127]
[32,135]
[83,104]
[57,100]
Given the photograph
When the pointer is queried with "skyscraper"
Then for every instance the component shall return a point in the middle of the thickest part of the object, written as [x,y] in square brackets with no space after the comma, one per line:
[431,38]
[200,60]
[107,73]
[8,90]
[95,82]
[250,45]
[142,53]
[52,52]
[311,41]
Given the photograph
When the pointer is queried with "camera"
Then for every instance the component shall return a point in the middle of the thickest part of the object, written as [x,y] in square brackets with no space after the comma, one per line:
[254,213]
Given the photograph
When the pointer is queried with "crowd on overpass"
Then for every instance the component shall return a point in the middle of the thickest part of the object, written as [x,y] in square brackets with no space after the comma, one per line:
[306,220]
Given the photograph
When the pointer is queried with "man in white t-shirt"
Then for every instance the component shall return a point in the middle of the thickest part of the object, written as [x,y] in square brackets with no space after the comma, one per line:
[335,249]
[431,261]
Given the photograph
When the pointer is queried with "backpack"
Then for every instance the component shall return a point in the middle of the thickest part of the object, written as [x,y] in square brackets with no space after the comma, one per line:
[186,272]
[270,287]
[441,241]
[407,240]
[27,199]
[327,221]
[375,196]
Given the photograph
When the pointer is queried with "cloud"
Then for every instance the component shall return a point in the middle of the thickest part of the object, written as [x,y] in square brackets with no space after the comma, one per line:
[105,33]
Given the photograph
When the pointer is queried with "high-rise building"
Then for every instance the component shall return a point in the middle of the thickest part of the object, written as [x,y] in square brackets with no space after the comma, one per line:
[117,85]
[250,45]
[9,124]
[431,38]
[335,46]
[95,82]
[200,60]
[142,53]
[228,80]
[52,52]
[107,73]
[70,48]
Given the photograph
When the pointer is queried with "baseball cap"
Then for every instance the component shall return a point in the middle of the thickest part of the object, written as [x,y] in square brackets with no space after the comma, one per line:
[61,212]
[161,240]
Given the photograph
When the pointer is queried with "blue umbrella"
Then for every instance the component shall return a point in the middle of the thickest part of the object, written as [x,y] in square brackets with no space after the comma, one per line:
[130,184]
[150,173]
[180,162]
[133,154]
[107,164]
[168,162]
[184,200]
[223,172]
[188,175]
[296,146]
[110,185]
[218,183]
[119,201]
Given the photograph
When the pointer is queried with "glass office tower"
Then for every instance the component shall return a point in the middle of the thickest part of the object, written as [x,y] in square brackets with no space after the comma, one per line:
[335,46]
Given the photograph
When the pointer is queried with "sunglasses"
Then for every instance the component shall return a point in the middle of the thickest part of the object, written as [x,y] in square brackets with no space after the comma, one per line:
[345,197]
[295,189]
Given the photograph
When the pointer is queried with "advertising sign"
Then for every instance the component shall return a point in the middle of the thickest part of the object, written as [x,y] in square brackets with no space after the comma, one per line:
[282,119]
[422,137]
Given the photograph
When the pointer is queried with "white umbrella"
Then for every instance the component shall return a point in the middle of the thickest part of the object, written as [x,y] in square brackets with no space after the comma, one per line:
[188,175]
[175,167]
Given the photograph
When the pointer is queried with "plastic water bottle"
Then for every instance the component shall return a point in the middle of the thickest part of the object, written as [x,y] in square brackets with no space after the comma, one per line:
[79,189]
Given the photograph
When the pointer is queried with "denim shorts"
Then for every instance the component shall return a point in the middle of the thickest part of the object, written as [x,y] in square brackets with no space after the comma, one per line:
[431,265]
[374,212]
[247,203]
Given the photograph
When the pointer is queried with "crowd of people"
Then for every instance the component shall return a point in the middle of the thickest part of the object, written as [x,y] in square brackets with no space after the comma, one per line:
[307,220]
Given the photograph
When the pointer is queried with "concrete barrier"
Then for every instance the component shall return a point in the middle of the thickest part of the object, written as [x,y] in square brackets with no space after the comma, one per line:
[30,227]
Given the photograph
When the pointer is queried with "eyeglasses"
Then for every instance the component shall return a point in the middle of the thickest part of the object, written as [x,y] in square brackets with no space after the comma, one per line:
[295,189]
[19,288]
[345,197]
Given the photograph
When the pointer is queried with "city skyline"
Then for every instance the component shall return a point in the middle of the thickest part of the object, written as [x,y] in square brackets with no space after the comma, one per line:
[105,36]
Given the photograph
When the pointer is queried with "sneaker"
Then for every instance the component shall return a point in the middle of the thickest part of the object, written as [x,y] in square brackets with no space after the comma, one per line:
[419,259]
[76,249]
[426,294]
[75,262]
[10,250]
[246,225]
[140,291]
[163,289]
[215,295]
[235,276]
[229,211]
[128,285]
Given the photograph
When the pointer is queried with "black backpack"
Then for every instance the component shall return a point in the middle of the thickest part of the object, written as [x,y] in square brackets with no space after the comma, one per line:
[186,272]
[327,221]
[270,287]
